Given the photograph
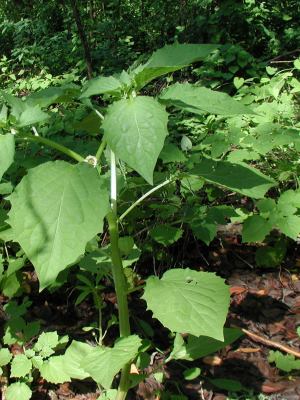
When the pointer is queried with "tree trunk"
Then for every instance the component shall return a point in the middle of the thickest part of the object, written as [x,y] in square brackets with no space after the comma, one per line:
[83,38]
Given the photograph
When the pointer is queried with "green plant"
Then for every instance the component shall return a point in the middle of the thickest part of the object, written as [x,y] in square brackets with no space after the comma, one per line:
[58,208]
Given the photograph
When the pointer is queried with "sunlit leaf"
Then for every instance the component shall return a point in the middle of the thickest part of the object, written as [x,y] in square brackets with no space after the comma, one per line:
[194,302]
[135,129]
[105,362]
[56,209]
[199,100]
[7,152]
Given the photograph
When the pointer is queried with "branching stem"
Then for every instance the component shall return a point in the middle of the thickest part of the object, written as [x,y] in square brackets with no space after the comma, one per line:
[54,145]
[136,203]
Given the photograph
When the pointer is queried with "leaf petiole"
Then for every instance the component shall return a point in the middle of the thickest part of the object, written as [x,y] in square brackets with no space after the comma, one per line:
[54,145]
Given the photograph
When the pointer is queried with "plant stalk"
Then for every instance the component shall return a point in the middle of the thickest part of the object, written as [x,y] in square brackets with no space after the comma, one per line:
[54,145]
[136,203]
[118,276]
[100,149]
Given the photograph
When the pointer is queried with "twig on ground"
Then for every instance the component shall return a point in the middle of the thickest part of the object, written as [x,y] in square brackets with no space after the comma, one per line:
[271,343]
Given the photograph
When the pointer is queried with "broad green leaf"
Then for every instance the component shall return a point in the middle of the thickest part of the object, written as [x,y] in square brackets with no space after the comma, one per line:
[255,229]
[171,153]
[31,116]
[132,257]
[20,366]
[90,124]
[6,188]
[18,390]
[15,265]
[104,363]
[205,230]
[291,197]
[191,373]
[53,370]
[238,177]
[46,343]
[37,361]
[186,143]
[7,152]
[10,285]
[3,115]
[126,244]
[135,129]
[289,225]
[191,184]
[284,362]
[194,302]
[166,234]
[97,262]
[297,63]
[198,100]
[74,356]
[228,384]
[169,59]
[101,85]
[198,347]
[266,206]
[238,82]
[52,95]
[17,105]
[55,210]
[271,256]
[5,356]
[7,235]
[242,155]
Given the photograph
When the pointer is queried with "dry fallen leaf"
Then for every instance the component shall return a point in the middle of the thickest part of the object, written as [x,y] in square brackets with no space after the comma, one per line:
[237,290]
[212,360]
[248,350]
[133,369]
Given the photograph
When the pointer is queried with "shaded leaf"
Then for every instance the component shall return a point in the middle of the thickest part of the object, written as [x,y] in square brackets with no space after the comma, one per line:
[52,95]
[198,100]
[101,85]
[166,234]
[170,58]
[31,116]
[230,385]
[255,229]
[238,177]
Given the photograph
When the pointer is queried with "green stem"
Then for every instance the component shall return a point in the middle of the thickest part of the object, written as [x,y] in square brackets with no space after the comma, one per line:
[54,145]
[98,305]
[100,149]
[136,203]
[121,292]
[118,275]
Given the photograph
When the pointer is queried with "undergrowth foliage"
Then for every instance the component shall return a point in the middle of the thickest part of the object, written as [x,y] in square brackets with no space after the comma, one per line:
[188,146]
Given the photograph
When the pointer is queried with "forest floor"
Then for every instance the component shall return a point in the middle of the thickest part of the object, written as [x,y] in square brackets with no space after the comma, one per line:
[265,303]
